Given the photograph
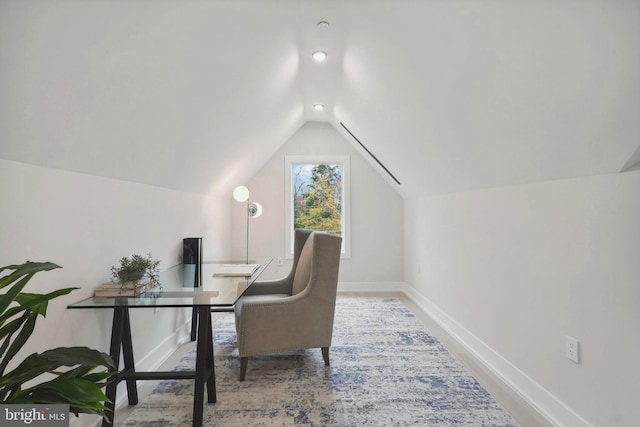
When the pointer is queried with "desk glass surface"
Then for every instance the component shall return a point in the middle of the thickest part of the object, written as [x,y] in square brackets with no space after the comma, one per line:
[176,290]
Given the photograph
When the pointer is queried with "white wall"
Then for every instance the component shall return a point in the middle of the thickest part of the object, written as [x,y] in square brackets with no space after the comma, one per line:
[516,269]
[376,212]
[85,224]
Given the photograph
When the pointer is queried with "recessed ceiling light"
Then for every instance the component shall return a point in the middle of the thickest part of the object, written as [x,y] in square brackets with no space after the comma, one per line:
[319,56]
[323,25]
[318,107]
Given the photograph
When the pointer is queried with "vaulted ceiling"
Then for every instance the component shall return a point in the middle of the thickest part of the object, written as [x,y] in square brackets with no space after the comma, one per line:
[196,95]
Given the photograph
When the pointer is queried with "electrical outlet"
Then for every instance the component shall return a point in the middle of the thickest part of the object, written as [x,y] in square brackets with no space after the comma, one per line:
[572,349]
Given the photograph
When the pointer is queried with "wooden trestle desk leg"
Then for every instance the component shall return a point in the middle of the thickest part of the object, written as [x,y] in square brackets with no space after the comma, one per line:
[121,342]
[205,370]
[194,324]
[204,374]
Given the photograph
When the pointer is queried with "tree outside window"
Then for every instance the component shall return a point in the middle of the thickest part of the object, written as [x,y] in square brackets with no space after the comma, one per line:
[317,196]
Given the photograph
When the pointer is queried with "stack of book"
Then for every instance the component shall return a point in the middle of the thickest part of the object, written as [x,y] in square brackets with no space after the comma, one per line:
[113,290]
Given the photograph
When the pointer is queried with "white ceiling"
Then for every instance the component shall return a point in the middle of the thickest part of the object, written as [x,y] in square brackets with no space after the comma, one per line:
[451,95]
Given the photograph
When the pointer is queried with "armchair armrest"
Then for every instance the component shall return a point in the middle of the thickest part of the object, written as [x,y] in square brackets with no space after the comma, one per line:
[267,287]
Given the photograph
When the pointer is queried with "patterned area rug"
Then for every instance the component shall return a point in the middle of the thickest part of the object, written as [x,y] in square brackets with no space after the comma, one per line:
[386,370]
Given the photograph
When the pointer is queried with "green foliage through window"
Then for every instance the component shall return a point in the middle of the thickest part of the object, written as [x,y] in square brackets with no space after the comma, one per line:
[317,198]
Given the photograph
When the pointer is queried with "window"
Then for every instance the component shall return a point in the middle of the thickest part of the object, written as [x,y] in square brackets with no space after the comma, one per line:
[317,197]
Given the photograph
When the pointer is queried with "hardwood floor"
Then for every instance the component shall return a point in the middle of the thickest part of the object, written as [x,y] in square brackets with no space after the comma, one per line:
[526,415]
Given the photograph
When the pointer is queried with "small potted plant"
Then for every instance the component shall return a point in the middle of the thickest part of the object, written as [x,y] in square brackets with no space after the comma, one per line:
[132,270]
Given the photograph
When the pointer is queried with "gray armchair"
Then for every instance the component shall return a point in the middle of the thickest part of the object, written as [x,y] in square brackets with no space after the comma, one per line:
[295,312]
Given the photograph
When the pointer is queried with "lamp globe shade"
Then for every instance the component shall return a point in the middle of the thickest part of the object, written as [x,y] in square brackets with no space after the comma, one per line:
[241,193]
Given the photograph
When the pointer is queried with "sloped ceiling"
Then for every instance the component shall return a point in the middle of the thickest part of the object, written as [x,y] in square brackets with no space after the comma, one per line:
[450,95]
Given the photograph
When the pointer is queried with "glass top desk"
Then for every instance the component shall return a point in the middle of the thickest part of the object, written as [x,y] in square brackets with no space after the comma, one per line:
[176,290]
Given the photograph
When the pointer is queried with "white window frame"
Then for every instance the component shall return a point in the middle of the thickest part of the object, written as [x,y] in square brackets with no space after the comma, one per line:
[344,161]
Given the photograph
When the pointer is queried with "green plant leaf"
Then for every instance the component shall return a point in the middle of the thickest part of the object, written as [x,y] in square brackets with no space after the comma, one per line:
[8,330]
[46,362]
[20,277]
[35,300]
[75,391]
[71,356]
[83,396]
[27,269]
[17,344]
[30,267]
[9,297]
[87,373]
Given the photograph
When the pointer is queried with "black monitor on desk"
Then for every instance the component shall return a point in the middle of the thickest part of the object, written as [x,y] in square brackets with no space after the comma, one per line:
[192,260]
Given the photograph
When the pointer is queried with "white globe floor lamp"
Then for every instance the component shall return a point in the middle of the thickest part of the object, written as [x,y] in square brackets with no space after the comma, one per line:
[254,209]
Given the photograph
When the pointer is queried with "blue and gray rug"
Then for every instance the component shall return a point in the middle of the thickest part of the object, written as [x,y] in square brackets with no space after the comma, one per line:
[386,370]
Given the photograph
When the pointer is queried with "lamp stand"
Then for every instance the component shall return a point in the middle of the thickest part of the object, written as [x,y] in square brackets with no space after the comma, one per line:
[240,194]
[247,231]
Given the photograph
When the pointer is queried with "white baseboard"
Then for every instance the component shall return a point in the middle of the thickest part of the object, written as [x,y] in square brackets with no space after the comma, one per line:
[549,406]
[371,286]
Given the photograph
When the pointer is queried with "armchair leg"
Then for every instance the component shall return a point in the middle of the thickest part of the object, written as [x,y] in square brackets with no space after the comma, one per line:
[243,367]
[325,355]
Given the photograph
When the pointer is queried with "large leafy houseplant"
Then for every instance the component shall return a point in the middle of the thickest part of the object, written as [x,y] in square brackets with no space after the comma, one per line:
[72,375]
